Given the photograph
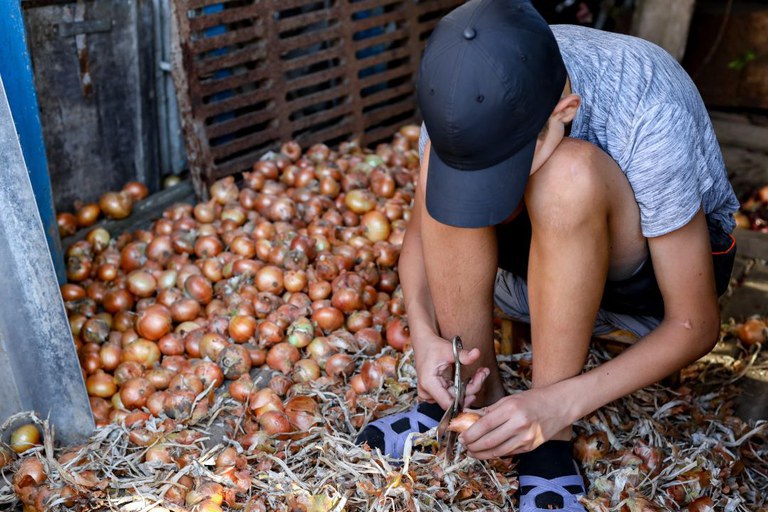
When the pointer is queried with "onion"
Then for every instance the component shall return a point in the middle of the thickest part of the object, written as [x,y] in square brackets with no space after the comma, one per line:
[280,384]
[209,373]
[241,388]
[224,191]
[29,475]
[359,320]
[340,365]
[24,437]
[87,215]
[160,377]
[141,284]
[320,350]
[127,371]
[357,385]
[242,328]
[751,332]
[101,385]
[360,201]
[67,224]
[388,365]
[135,392]
[264,400]
[302,412]
[301,332]
[136,190]
[116,205]
[305,370]
[99,238]
[186,382]
[369,340]
[463,421]
[208,246]
[270,333]
[199,288]
[110,355]
[70,291]
[178,404]
[328,318]
[154,322]
[95,330]
[234,361]
[270,279]
[376,227]
[275,422]
[211,345]
[282,356]
[142,351]
[398,334]
[372,375]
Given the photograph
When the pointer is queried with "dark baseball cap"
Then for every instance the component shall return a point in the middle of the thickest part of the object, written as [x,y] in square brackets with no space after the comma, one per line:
[490,76]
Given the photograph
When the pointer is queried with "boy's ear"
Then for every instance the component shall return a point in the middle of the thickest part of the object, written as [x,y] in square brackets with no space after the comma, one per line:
[566,108]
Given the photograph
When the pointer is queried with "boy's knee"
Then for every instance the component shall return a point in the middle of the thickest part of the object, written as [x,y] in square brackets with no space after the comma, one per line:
[570,187]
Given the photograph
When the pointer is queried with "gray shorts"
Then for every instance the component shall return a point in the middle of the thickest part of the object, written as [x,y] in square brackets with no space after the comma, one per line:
[511,296]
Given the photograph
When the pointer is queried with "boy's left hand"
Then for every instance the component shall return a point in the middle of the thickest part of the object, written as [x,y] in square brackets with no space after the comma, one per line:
[516,424]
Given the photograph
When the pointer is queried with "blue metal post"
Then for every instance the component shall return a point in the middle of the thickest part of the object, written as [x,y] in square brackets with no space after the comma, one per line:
[16,72]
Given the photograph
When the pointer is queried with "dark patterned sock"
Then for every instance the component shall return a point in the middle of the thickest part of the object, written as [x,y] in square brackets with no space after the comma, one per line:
[552,459]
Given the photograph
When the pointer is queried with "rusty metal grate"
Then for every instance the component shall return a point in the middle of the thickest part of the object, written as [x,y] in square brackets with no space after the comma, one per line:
[251,74]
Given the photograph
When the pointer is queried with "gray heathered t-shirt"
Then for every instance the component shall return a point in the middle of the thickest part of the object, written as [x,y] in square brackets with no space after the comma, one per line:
[640,106]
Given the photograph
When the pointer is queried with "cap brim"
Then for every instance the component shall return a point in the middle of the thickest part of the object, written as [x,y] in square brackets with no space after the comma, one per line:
[477,198]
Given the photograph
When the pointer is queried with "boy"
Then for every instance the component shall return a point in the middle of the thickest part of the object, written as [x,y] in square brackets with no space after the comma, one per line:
[573,176]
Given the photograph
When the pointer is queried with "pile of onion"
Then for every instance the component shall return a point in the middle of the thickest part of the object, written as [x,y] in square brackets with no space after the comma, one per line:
[114,205]
[292,270]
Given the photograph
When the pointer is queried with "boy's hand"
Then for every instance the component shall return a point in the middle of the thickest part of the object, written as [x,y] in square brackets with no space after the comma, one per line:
[434,367]
[517,423]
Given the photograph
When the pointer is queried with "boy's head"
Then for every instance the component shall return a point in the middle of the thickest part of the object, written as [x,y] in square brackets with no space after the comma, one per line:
[490,77]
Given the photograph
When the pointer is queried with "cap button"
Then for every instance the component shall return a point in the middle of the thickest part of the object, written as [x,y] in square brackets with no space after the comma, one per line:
[469,33]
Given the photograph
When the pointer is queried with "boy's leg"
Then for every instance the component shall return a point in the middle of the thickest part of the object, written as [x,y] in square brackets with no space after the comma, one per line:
[586,226]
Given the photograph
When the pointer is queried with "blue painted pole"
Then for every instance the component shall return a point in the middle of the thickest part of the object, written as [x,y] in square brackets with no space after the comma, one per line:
[16,72]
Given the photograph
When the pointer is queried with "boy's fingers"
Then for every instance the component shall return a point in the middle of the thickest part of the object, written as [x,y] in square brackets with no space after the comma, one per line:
[469,356]
[475,384]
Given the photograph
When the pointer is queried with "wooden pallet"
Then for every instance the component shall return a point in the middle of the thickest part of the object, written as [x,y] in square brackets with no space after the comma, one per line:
[251,74]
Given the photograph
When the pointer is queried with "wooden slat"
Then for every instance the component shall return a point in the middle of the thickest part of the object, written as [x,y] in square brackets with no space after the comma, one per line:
[244,35]
[229,104]
[232,15]
[244,121]
[212,64]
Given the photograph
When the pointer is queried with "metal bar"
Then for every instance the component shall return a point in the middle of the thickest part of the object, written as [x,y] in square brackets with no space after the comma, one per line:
[38,356]
[16,70]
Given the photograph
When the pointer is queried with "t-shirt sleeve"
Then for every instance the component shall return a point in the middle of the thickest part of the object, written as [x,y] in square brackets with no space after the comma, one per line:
[666,167]
[423,138]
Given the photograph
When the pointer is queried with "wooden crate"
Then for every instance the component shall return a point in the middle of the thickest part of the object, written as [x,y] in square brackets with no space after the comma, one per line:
[251,74]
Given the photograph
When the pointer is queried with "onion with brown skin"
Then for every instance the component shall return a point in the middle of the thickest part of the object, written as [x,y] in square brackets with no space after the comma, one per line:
[282,356]
[67,224]
[234,361]
[24,437]
[136,190]
[116,205]
[339,365]
[463,421]
[752,331]
[87,215]
[134,392]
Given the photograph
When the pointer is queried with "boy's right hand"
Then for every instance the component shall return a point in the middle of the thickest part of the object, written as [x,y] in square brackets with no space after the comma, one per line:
[434,368]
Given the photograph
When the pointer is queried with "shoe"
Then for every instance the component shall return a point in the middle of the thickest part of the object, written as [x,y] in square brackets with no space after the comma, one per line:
[389,434]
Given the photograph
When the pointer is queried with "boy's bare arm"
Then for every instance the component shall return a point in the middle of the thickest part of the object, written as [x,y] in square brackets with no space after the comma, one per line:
[683,265]
[434,355]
